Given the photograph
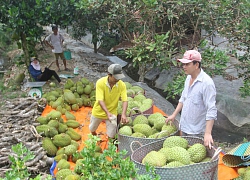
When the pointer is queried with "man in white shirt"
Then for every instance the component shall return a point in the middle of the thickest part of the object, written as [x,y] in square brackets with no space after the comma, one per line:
[55,41]
[197,102]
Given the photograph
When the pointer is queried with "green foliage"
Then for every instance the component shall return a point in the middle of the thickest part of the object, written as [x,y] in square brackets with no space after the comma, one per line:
[175,87]
[18,168]
[25,20]
[245,89]
[11,90]
[156,51]
[244,72]
[4,38]
[108,165]
[90,18]
[214,62]
[109,40]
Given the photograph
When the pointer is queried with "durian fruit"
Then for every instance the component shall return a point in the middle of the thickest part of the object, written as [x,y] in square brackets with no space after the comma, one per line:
[143,128]
[70,116]
[79,166]
[125,130]
[19,78]
[63,164]
[241,171]
[58,157]
[146,104]
[138,135]
[60,151]
[152,118]
[56,115]
[179,154]
[197,152]
[174,164]
[138,90]
[139,97]
[73,177]
[159,123]
[75,143]
[42,120]
[63,173]
[163,134]
[206,159]
[130,122]
[173,141]
[73,134]
[140,119]
[61,140]
[170,128]
[49,147]
[128,85]
[247,174]
[72,123]
[69,96]
[69,83]
[130,93]
[70,149]
[165,152]
[154,158]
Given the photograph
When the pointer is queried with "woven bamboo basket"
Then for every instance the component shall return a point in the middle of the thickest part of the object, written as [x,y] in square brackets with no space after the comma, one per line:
[197,171]
[125,142]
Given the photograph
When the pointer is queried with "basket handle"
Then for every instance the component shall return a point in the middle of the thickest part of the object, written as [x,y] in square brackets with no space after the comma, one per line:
[136,109]
[161,133]
[131,145]
[216,153]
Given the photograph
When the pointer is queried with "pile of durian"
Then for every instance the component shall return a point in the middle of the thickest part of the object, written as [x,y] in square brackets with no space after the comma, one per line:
[137,101]
[176,152]
[73,96]
[147,126]
[60,140]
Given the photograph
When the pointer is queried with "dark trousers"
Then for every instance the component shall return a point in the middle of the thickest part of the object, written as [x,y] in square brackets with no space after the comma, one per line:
[47,74]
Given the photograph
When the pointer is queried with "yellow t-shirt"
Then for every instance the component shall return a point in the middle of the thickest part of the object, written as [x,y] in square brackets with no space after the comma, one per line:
[109,96]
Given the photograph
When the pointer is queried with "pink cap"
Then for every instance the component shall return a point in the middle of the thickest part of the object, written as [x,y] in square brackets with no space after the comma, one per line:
[190,55]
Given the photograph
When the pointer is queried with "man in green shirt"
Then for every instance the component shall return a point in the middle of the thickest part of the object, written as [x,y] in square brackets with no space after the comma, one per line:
[109,90]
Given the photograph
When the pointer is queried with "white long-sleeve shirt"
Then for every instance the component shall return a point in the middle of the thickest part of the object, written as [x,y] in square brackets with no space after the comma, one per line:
[199,101]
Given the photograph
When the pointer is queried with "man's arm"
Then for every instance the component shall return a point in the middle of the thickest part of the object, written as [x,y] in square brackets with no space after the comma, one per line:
[104,107]
[124,111]
[47,40]
[176,111]
[208,140]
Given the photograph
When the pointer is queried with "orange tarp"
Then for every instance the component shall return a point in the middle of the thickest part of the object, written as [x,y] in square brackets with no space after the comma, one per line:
[83,116]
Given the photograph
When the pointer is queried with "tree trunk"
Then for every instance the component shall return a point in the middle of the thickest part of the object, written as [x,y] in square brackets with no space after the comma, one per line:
[142,72]
[25,50]
[95,40]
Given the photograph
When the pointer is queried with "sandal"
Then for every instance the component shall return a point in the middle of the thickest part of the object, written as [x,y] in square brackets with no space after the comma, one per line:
[59,70]
[67,69]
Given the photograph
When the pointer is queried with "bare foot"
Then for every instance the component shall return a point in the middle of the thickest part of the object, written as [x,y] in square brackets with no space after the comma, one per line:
[94,133]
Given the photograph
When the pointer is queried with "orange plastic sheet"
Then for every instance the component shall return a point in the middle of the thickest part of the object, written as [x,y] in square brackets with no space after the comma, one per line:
[225,172]
[83,116]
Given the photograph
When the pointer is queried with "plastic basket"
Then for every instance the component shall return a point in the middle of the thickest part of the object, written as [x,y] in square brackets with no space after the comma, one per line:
[125,142]
[67,54]
[197,171]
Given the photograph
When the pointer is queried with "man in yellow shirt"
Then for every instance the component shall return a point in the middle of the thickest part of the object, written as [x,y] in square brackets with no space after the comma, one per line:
[109,90]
